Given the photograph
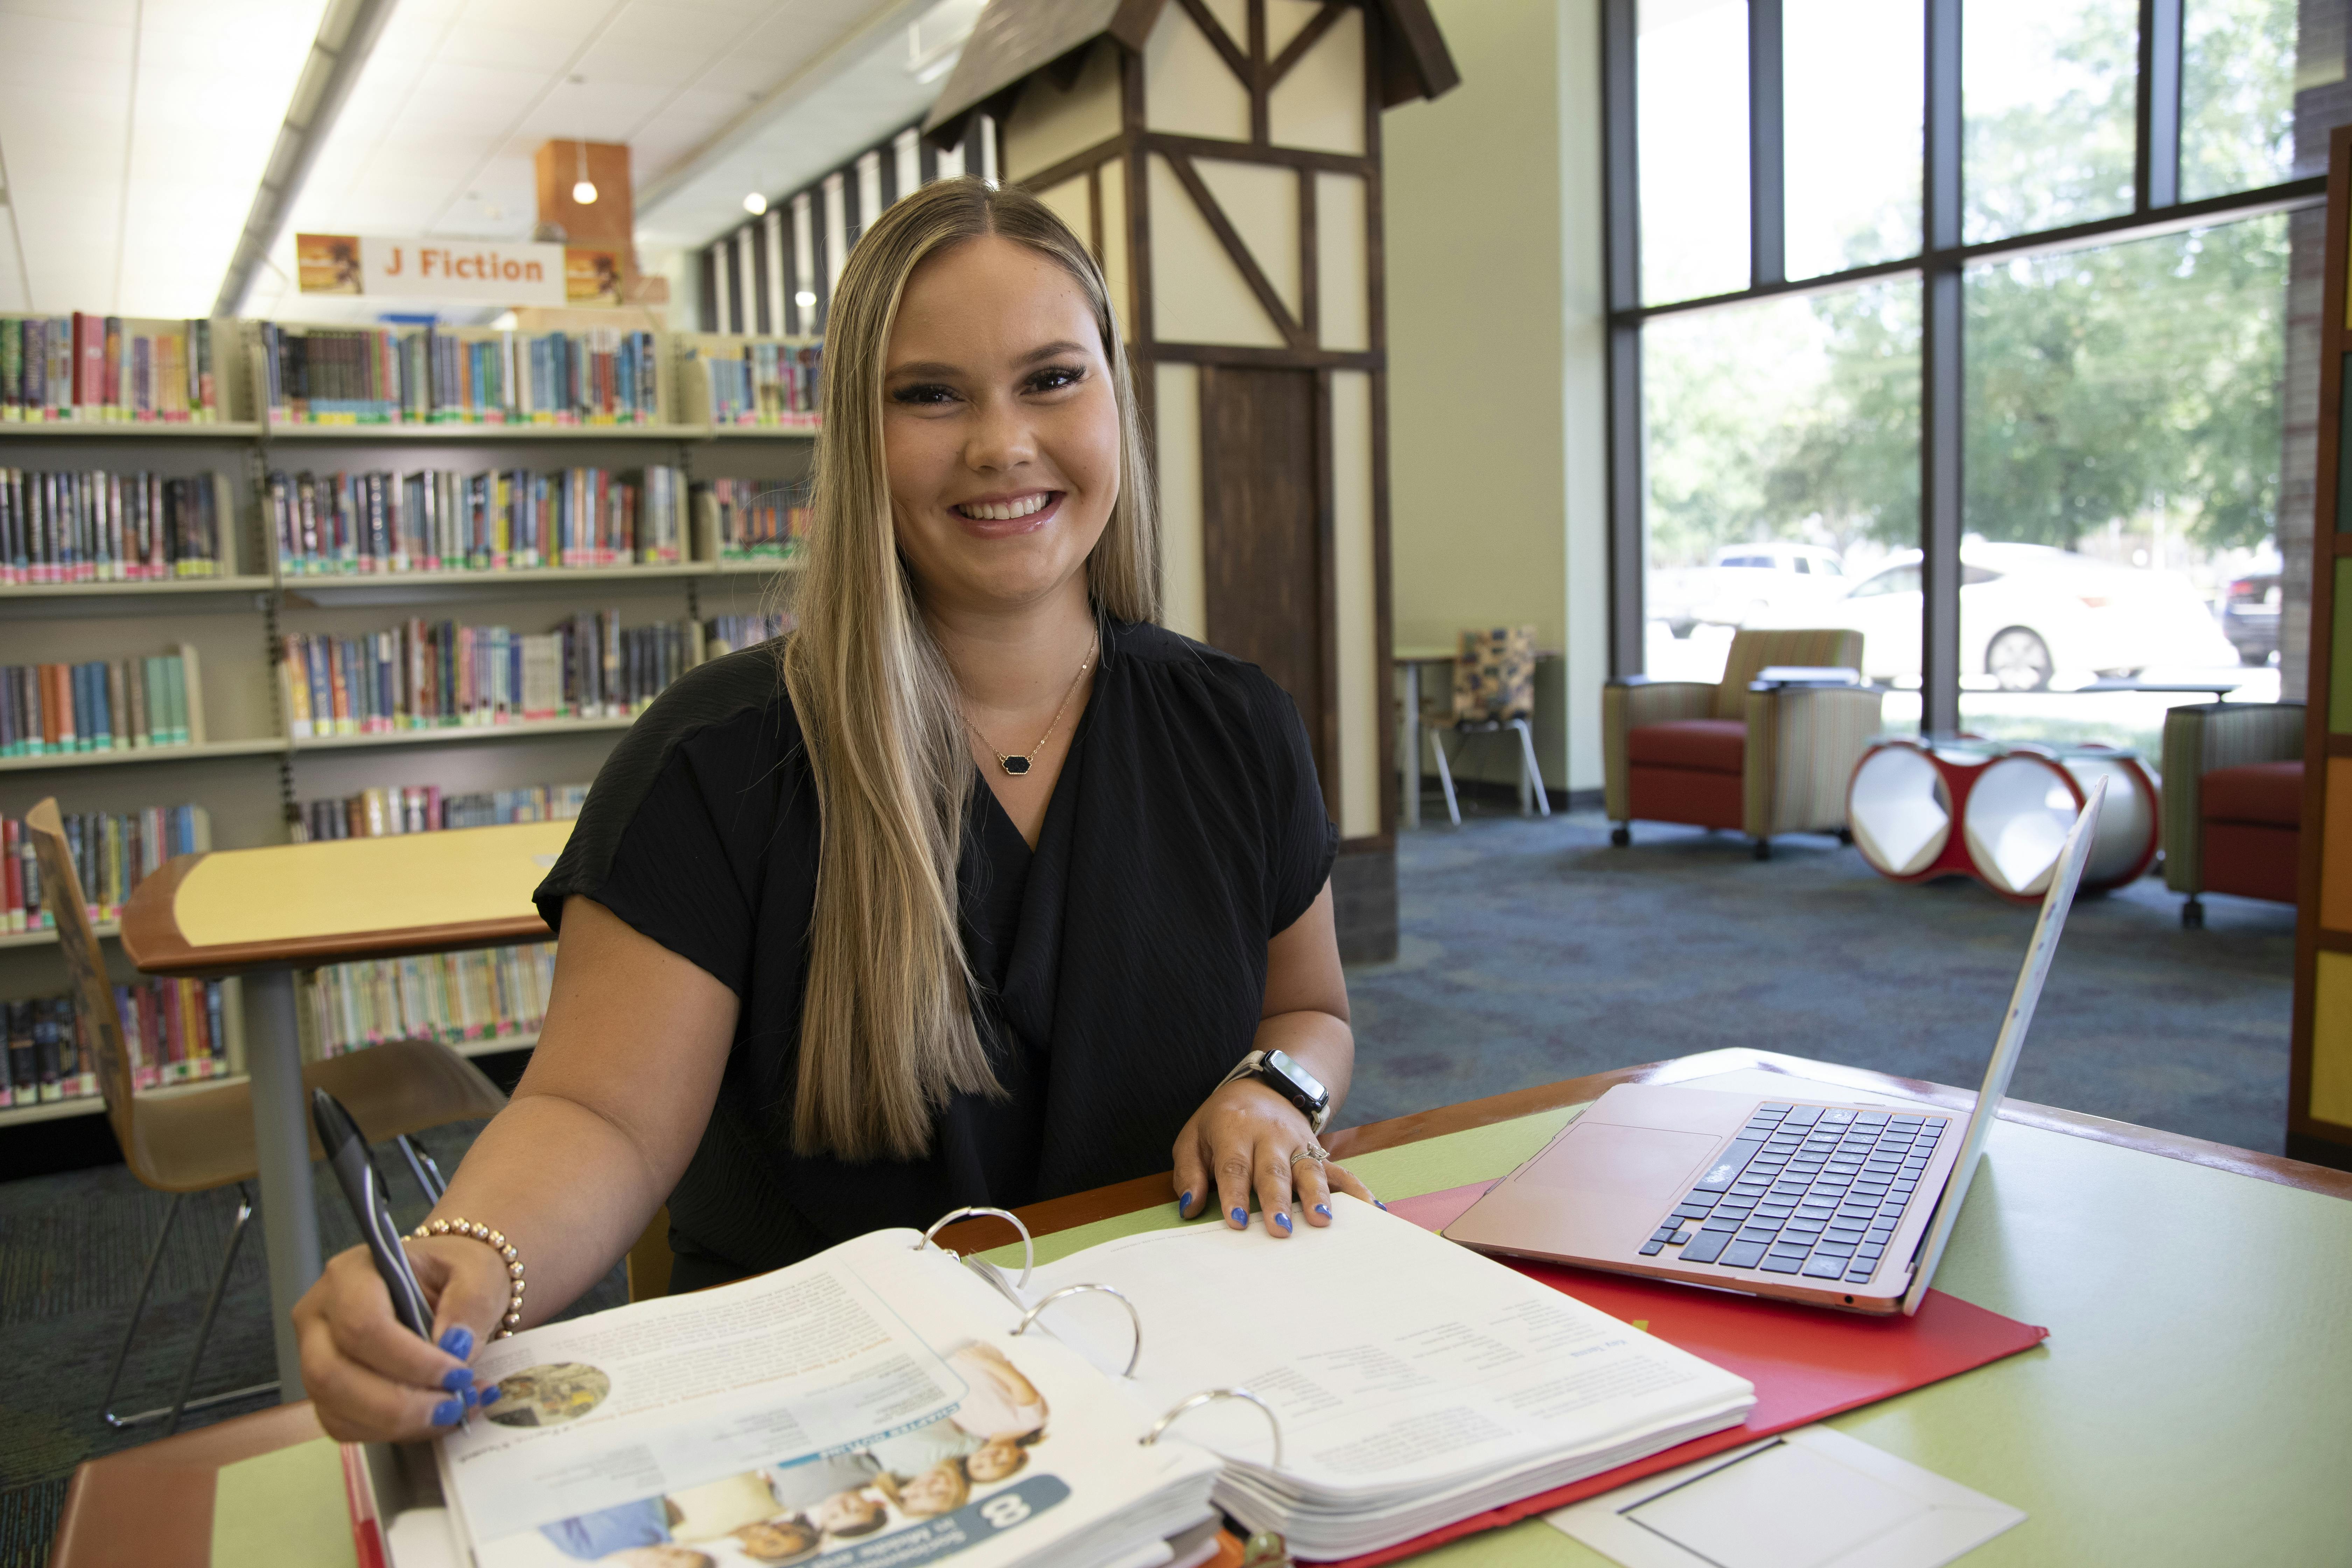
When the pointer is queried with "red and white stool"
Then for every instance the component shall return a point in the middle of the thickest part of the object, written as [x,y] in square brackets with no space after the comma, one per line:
[2011,804]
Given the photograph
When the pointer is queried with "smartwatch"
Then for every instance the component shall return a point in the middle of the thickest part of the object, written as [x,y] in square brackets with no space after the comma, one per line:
[1279,1073]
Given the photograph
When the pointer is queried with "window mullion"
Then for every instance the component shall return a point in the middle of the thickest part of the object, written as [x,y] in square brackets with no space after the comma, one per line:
[1941,385]
[1621,218]
[2155,179]
[1767,250]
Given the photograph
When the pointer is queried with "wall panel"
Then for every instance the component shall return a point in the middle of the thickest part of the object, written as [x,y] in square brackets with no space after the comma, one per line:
[1183,591]
[1198,295]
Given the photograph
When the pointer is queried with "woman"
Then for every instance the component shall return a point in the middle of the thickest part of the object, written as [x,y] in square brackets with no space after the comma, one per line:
[1072,872]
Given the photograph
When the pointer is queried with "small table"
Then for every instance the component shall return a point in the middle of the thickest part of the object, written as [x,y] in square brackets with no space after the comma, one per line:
[1409,658]
[264,914]
[2176,1416]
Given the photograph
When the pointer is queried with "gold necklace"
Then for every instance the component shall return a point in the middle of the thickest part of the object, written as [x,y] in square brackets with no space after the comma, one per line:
[1016,763]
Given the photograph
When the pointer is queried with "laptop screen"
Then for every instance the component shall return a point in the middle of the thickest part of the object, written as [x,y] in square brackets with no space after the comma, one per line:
[2063,878]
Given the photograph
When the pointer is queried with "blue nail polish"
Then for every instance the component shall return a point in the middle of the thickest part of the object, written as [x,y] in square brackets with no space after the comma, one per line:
[1283,1220]
[481,1395]
[458,1341]
[1241,1217]
[1323,1209]
[1183,1201]
[1378,1205]
[457,1379]
[447,1411]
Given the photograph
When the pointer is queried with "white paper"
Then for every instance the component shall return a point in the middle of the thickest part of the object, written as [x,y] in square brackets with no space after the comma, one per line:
[1813,1498]
[867,1403]
[1410,1377]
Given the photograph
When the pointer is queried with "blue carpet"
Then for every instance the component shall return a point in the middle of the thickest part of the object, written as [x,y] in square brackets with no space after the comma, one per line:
[1529,950]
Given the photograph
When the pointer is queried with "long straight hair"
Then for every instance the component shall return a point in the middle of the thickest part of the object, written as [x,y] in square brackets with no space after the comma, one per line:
[887,1032]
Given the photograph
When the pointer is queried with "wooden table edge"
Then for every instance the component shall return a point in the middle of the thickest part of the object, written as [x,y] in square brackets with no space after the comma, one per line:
[152,941]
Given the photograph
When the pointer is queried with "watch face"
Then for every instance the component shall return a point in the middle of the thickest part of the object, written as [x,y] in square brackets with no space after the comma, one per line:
[1306,1082]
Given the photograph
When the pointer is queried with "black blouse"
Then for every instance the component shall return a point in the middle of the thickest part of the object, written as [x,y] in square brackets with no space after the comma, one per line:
[1123,958]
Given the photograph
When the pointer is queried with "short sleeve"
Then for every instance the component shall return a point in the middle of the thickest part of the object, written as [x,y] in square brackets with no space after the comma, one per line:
[671,836]
[1302,839]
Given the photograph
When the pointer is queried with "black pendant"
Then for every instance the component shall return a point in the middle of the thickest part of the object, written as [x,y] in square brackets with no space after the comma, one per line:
[1016,766]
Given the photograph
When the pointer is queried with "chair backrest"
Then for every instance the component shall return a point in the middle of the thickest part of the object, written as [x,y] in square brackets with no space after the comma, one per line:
[101,1024]
[1494,675]
[1836,646]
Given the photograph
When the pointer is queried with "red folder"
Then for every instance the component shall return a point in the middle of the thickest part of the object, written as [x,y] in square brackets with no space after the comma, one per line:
[1806,1364]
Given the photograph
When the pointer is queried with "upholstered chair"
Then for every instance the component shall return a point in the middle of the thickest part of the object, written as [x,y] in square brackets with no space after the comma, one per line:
[2233,801]
[1757,758]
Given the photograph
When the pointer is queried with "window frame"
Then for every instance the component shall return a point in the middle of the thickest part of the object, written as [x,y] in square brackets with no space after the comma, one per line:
[1941,265]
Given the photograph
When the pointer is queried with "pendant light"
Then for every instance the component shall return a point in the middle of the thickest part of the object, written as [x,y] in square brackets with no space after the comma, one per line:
[584,191]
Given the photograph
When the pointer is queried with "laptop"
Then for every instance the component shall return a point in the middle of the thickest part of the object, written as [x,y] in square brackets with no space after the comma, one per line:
[1829,1203]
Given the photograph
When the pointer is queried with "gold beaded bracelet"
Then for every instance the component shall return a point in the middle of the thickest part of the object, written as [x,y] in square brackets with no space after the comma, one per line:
[513,1319]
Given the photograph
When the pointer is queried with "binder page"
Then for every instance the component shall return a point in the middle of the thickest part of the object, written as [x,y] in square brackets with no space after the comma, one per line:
[1397,1361]
[866,1404]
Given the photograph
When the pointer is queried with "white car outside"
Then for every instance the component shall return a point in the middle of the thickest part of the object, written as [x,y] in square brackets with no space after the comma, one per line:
[2030,616]
[1741,581]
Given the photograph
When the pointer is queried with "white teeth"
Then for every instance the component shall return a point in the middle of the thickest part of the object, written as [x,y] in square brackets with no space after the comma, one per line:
[1004,511]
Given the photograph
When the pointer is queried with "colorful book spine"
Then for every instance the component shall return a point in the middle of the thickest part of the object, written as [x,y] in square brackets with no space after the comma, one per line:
[478,998]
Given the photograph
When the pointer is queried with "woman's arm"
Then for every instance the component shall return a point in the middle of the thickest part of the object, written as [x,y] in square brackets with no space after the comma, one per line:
[1243,1136]
[597,1134]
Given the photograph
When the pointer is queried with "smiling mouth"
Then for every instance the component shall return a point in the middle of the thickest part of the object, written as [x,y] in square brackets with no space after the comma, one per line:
[1005,510]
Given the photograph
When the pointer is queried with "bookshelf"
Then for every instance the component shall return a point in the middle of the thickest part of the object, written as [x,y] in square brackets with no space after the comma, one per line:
[250,770]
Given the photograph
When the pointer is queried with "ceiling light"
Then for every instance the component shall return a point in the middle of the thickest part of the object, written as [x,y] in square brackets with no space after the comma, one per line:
[584,192]
[755,203]
[804,299]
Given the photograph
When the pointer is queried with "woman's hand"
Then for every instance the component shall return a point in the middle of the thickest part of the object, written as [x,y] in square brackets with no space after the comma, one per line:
[1243,1137]
[372,1379]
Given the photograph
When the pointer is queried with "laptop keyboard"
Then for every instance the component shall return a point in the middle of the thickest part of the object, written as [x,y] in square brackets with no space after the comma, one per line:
[1808,1190]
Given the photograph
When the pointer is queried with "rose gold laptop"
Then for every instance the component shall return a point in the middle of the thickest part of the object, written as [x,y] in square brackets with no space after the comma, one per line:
[1831,1204]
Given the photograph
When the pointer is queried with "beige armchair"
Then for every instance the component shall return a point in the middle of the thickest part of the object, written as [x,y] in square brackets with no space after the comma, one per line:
[1759,762]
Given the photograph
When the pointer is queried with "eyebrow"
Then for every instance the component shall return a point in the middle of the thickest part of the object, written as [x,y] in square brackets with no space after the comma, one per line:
[938,367]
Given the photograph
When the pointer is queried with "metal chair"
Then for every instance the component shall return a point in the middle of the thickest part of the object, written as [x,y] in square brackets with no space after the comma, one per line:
[1530,776]
[201,1138]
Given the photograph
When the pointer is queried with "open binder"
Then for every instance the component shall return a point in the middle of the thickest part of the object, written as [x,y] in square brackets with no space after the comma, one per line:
[1349,1387]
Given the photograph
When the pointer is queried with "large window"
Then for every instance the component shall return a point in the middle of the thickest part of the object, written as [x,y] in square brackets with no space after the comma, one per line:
[1990,371]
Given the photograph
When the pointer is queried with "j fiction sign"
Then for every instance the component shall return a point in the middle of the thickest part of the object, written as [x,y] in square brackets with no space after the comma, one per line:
[485,272]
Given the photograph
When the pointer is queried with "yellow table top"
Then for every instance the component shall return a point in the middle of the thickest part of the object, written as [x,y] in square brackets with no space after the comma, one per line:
[354,897]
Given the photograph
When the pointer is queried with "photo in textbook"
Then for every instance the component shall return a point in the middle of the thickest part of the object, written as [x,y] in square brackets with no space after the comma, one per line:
[867,1407]
[911,1497]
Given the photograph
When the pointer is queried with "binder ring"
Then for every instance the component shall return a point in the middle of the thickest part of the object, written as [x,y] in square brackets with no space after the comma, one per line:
[1028,1248]
[1030,1315]
[1208,1395]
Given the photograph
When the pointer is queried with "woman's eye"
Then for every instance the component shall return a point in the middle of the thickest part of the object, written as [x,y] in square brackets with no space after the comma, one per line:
[1054,378]
[928,391]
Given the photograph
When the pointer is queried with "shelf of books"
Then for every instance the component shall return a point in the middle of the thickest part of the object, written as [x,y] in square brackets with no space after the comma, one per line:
[224,542]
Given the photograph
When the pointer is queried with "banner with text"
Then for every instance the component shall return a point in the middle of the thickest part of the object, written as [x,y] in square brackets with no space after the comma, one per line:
[482,271]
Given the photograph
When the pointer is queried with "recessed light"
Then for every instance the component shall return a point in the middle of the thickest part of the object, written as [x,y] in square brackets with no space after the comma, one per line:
[804,299]
[755,203]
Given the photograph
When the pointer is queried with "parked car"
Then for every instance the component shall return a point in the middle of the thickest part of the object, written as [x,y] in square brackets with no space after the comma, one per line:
[2029,614]
[2249,616]
[1741,581]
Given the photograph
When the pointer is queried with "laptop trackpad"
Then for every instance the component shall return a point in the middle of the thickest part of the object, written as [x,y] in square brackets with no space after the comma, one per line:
[1607,1160]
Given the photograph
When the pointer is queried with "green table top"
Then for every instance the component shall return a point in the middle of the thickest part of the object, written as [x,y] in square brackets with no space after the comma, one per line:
[2193,1405]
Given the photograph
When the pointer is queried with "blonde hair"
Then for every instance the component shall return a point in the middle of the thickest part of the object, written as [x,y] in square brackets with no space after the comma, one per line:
[886,1027]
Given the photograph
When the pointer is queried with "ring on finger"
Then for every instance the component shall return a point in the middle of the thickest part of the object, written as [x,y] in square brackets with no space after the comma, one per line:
[1311,1151]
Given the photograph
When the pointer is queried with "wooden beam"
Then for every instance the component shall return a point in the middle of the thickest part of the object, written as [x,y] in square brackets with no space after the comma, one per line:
[1271,359]
[1230,237]
[1077,163]
[1248,153]
[1308,36]
[1229,51]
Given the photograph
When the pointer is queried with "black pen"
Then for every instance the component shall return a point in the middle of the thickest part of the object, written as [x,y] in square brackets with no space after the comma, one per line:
[363,1187]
